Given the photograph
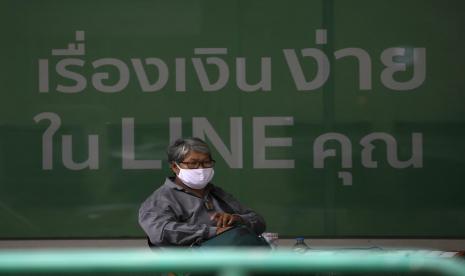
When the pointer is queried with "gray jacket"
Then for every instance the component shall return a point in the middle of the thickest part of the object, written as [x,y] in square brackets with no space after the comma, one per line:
[173,216]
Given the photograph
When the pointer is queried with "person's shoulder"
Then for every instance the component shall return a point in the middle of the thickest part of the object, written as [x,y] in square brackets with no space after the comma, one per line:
[217,190]
[158,200]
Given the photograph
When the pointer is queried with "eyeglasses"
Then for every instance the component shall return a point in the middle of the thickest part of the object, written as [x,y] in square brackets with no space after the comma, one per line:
[196,164]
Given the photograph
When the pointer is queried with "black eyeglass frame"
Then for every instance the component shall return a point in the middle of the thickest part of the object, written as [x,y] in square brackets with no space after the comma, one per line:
[196,164]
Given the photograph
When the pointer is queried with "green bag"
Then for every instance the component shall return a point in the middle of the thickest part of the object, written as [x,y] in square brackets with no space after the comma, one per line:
[237,236]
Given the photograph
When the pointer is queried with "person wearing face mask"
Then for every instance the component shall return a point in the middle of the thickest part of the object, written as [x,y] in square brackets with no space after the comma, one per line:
[188,209]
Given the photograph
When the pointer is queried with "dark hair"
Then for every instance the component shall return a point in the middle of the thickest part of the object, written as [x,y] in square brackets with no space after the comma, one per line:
[178,151]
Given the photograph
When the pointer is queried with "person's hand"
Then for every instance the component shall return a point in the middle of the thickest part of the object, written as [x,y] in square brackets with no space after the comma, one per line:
[225,219]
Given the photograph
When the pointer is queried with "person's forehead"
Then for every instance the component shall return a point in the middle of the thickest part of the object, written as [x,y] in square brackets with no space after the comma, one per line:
[195,155]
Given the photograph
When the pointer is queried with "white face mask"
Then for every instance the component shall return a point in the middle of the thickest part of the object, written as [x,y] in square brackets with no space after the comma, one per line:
[196,178]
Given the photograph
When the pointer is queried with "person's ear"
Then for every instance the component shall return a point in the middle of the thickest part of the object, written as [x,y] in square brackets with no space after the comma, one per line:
[174,168]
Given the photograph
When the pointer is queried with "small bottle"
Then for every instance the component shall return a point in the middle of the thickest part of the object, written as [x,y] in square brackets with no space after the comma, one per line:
[300,246]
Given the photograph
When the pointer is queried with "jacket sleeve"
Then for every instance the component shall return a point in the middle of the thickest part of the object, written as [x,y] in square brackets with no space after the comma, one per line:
[251,219]
[159,222]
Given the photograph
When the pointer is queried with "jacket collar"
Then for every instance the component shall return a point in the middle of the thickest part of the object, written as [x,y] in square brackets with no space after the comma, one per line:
[171,184]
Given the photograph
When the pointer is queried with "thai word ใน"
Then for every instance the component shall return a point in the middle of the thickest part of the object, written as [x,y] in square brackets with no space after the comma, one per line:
[232,153]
